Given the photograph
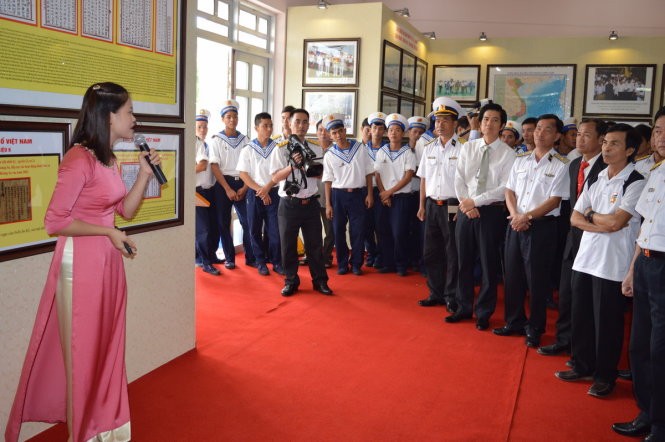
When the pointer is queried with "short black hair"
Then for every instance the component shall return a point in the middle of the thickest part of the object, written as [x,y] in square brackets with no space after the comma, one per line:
[645,131]
[493,107]
[557,121]
[633,137]
[299,111]
[261,116]
[365,123]
[318,123]
[530,120]
[600,125]
[659,114]
[463,122]
[288,108]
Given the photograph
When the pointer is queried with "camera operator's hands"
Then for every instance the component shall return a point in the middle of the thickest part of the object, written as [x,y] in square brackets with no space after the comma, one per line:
[474,122]
[297,160]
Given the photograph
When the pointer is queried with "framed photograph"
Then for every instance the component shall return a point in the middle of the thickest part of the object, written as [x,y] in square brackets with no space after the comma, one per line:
[329,62]
[421,78]
[459,82]
[619,90]
[662,90]
[406,107]
[532,90]
[419,109]
[392,62]
[389,103]
[321,102]
[408,81]
[30,154]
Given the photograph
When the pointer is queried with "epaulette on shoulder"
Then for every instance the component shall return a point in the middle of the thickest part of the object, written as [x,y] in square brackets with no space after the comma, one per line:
[657,165]
[462,140]
[524,154]
[283,143]
[433,140]
[275,137]
[643,157]
[561,158]
[316,142]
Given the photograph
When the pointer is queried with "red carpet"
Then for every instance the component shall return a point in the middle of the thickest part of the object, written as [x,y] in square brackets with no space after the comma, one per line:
[367,364]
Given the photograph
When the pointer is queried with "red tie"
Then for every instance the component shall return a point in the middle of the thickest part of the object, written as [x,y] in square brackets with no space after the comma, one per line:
[580,177]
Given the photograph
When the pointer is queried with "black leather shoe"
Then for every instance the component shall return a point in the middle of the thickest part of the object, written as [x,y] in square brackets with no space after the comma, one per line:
[342,270]
[430,302]
[263,270]
[289,289]
[635,428]
[532,341]
[626,375]
[482,324]
[456,317]
[356,271]
[210,269]
[554,349]
[322,287]
[572,376]
[653,438]
[386,270]
[507,331]
[230,265]
[601,389]
[451,305]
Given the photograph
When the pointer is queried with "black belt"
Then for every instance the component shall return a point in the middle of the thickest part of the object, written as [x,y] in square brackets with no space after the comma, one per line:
[231,177]
[653,253]
[301,201]
[349,189]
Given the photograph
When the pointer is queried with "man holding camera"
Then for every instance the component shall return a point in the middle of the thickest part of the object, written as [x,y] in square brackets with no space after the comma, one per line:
[299,207]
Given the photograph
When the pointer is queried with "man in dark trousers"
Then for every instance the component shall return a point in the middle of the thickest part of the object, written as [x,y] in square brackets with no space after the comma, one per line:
[589,141]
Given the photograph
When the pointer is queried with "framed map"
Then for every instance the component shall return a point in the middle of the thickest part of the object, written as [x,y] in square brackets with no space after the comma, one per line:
[532,90]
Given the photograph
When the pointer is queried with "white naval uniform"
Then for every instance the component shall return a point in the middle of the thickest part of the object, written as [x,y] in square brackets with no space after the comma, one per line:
[438,165]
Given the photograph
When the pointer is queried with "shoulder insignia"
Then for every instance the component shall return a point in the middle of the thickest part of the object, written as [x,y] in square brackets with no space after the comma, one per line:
[283,143]
[524,154]
[655,166]
[275,137]
[561,158]
[315,142]
[462,140]
[643,157]
[433,140]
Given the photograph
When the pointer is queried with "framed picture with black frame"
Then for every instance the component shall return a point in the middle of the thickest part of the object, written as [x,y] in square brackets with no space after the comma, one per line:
[389,103]
[408,74]
[421,78]
[391,66]
[619,90]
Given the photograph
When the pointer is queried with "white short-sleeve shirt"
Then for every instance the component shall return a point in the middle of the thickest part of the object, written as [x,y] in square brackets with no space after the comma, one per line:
[438,166]
[225,151]
[535,181]
[205,178]
[608,255]
[279,160]
[651,206]
[347,168]
[255,160]
[391,166]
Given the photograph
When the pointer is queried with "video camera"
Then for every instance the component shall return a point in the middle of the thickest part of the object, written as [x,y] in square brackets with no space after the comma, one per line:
[307,165]
[477,106]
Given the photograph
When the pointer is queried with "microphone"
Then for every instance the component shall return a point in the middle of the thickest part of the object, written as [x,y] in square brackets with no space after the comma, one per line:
[139,141]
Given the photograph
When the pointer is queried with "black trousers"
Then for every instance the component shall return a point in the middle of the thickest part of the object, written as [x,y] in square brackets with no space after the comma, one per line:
[647,341]
[437,236]
[597,319]
[207,228]
[293,215]
[451,258]
[529,256]
[563,322]
[479,237]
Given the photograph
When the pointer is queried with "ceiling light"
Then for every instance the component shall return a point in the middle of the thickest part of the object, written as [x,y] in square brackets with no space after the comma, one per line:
[404,12]
[614,35]
[430,35]
[323,4]
[482,37]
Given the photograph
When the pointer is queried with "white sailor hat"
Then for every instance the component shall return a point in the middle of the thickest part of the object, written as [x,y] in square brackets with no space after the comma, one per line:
[419,122]
[376,118]
[333,121]
[393,119]
[513,126]
[569,123]
[203,115]
[446,106]
[229,105]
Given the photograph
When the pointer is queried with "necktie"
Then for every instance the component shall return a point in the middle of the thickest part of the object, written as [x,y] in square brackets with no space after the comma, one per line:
[484,169]
[580,177]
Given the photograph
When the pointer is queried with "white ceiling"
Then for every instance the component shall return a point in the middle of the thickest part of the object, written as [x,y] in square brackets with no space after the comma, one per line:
[528,18]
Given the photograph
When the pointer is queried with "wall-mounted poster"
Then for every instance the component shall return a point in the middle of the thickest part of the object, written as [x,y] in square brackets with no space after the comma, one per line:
[408,83]
[331,62]
[320,103]
[30,154]
[389,103]
[459,82]
[619,90]
[532,90]
[52,52]
[392,62]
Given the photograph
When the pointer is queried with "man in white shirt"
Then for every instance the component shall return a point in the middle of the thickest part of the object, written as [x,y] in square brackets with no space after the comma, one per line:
[606,213]
[538,180]
[347,176]
[481,221]
[645,282]
[230,190]
[299,209]
[374,233]
[262,197]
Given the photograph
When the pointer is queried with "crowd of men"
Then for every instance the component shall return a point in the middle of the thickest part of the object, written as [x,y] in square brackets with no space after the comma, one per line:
[545,206]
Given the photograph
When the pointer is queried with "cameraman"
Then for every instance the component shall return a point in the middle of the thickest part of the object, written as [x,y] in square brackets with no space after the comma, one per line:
[299,210]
